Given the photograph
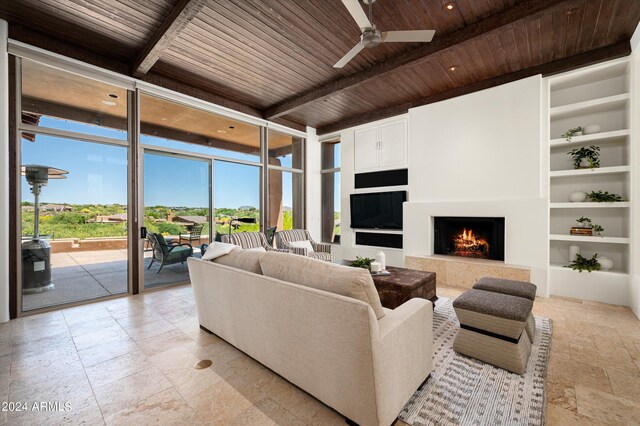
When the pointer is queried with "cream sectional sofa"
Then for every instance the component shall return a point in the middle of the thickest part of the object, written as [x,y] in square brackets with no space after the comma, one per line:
[286,311]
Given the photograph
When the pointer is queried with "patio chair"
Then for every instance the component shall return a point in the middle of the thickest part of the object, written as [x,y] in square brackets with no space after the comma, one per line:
[249,240]
[320,251]
[192,234]
[167,254]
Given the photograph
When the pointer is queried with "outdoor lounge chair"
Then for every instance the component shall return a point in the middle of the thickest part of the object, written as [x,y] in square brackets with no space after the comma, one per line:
[193,234]
[167,254]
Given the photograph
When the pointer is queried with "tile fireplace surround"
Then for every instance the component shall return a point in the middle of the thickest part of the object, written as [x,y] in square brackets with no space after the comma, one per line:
[464,272]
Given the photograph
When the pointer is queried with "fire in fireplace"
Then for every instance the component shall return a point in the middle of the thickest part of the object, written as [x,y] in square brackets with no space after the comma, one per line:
[477,237]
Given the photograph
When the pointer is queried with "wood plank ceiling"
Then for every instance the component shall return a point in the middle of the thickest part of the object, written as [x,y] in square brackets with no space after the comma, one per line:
[274,58]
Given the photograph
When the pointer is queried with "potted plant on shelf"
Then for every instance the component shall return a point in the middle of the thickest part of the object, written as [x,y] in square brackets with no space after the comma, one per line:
[586,228]
[571,133]
[604,197]
[584,264]
[585,157]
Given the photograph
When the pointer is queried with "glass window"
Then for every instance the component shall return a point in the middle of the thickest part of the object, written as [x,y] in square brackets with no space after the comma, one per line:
[78,250]
[286,201]
[331,192]
[61,100]
[173,125]
[236,197]
[285,150]
[177,191]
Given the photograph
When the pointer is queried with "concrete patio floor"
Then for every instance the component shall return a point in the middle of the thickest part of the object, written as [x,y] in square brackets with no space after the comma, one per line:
[91,274]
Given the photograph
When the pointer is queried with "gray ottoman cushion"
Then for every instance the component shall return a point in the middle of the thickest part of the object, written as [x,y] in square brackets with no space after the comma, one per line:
[496,313]
[511,287]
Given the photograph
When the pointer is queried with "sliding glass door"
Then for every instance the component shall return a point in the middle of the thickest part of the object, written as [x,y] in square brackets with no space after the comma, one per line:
[177,218]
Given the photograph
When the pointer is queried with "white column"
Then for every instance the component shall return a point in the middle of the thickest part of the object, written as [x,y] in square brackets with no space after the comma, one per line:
[4,173]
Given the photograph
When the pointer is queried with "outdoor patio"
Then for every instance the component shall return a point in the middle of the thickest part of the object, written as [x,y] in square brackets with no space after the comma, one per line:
[90,274]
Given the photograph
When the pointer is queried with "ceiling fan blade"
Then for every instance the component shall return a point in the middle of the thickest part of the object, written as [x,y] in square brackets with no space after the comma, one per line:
[349,56]
[353,6]
[408,36]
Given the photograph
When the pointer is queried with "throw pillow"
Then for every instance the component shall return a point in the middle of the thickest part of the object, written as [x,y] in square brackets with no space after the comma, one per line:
[217,249]
[302,244]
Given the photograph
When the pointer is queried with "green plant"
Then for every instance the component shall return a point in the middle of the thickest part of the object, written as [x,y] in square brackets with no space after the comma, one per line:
[571,133]
[597,230]
[362,262]
[583,264]
[585,222]
[604,197]
[590,153]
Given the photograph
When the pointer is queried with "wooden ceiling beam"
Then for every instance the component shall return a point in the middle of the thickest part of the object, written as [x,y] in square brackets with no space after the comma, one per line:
[182,13]
[615,51]
[415,56]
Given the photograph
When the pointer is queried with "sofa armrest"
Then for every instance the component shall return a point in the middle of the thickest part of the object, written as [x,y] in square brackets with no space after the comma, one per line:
[403,355]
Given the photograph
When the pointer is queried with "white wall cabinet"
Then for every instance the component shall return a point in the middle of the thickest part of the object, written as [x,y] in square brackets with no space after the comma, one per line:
[381,146]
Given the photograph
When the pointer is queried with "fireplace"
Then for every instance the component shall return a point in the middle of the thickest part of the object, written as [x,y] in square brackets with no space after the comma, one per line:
[475,237]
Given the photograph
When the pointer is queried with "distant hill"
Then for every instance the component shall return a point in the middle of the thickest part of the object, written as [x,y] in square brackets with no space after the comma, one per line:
[246,208]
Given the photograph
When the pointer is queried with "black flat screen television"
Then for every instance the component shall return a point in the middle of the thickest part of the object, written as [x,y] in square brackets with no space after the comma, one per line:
[377,210]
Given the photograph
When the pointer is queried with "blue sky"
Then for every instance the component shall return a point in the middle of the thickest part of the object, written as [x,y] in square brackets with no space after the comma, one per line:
[98,172]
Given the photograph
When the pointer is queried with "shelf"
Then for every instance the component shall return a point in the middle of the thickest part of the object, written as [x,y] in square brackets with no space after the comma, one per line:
[591,205]
[586,239]
[610,272]
[582,140]
[590,107]
[590,172]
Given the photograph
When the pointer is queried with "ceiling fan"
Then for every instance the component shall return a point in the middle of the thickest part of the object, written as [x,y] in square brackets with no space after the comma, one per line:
[371,37]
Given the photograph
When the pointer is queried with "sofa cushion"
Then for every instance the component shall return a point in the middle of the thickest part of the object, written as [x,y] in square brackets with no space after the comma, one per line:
[344,280]
[246,260]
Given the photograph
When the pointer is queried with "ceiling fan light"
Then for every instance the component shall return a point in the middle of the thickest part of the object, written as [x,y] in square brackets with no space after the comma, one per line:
[449,6]
[371,38]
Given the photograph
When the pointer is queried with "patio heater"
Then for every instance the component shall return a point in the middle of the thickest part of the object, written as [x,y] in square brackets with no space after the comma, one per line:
[36,251]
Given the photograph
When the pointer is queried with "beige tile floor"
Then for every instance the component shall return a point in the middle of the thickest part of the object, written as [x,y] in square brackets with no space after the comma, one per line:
[131,361]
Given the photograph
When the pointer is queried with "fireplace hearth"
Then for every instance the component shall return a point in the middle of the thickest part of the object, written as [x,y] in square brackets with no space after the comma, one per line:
[473,237]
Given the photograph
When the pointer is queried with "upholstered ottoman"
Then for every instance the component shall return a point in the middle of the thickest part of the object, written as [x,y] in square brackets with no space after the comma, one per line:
[513,288]
[492,328]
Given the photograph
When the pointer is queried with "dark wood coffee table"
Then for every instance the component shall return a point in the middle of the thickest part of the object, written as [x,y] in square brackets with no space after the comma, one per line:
[402,284]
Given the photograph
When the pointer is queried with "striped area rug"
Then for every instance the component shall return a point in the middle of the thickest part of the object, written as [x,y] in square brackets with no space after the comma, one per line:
[465,391]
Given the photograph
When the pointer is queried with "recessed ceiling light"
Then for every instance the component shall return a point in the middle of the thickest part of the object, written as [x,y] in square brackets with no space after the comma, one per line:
[113,95]
[222,131]
[164,119]
[110,103]
[232,127]
[453,68]
[448,6]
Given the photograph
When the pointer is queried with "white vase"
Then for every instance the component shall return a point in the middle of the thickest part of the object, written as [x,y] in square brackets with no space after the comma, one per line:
[605,263]
[578,196]
[381,259]
[574,251]
[590,129]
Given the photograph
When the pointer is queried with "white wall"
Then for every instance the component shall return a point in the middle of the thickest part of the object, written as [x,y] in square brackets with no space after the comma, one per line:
[4,174]
[313,190]
[485,145]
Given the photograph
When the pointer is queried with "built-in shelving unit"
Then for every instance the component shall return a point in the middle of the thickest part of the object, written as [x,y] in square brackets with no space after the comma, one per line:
[595,95]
